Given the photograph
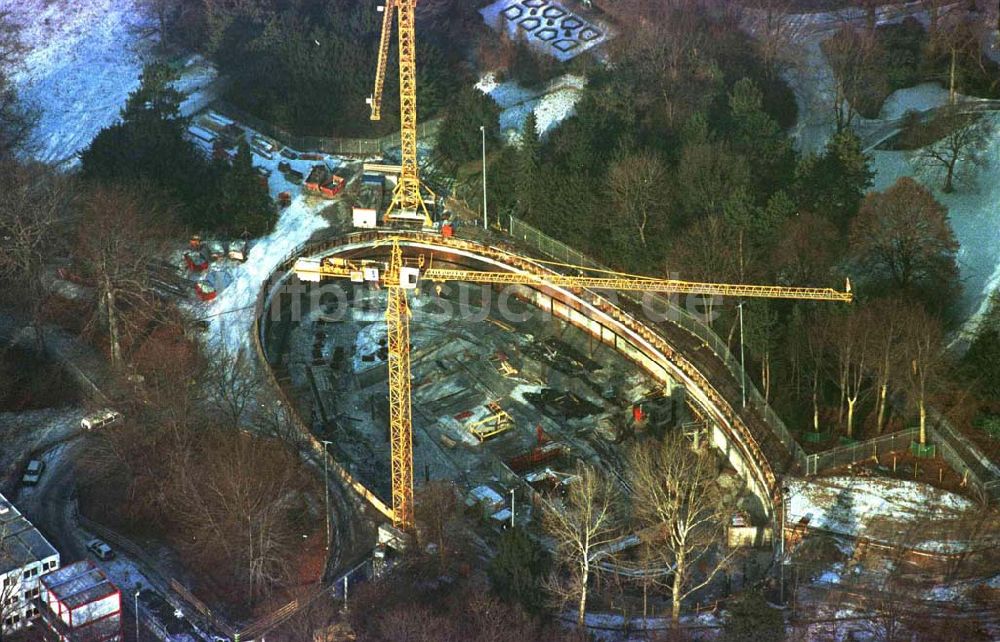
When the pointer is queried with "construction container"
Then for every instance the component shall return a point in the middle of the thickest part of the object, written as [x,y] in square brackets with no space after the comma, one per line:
[205,291]
[195,261]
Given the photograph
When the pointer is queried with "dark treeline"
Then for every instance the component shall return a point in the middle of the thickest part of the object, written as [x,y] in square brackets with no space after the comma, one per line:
[308,65]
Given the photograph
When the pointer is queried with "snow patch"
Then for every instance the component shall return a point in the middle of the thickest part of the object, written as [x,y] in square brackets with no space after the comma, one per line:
[922,97]
[231,313]
[551,105]
[82,60]
[861,506]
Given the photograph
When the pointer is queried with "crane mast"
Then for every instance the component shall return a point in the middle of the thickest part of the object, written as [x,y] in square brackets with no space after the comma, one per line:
[397,278]
[407,199]
[397,322]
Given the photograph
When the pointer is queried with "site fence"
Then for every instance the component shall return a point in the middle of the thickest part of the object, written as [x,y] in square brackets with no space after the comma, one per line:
[858,452]
[674,313]
[364,147]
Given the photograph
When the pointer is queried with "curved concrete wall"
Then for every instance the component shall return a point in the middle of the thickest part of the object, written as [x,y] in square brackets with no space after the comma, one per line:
[604,320]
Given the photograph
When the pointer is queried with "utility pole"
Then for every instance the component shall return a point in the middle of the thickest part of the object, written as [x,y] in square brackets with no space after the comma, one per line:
[326,492]
[512,508]
[482,129]
[137,616]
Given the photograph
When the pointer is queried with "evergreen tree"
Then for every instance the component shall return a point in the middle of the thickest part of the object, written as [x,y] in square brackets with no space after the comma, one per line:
[833,184]
[518,569]
[751,619]
[981,362]
[757,135]
[242,205]
[459,138]
[156,95]
[528,162]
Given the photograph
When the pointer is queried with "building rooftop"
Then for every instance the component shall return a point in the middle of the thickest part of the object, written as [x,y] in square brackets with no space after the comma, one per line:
[78,584]
[20,542]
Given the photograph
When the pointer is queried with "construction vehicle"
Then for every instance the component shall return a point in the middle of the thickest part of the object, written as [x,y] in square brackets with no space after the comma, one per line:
[398,276]
[408,198]
[496,422]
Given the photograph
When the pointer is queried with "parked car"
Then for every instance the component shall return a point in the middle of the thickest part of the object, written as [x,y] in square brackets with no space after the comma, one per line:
[100,550]
[33,472]
[100,419]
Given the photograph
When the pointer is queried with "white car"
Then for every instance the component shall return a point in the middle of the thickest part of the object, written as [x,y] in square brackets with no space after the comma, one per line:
[100,419]
[100,549]
[33,472]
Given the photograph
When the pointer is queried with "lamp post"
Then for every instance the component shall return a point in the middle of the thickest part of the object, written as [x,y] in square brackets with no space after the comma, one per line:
[137,616]
[326,492]
[743,372]
[784,519]
[512,508]
[482,129]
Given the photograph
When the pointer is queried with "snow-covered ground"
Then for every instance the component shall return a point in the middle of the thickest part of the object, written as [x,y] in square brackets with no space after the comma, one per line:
[552,105]
[882,508]
[922,97]
[83,59]
[231,313]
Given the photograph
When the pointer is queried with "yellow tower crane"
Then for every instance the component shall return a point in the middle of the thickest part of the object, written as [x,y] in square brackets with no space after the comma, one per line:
[397,276]
[407,199]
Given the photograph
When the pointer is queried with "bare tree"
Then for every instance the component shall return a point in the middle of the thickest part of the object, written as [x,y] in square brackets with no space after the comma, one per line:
[924,353]
[848,341]
[883,350]
[853,56]
[902,241]
[437,518]
[815,343]
[805,253]
[118,236]
[233,382]
[34,215]
[164,13]
[636,183]
[955,143]
[235,496]
[675,492]
[778,33]
[957,36]
[586,521]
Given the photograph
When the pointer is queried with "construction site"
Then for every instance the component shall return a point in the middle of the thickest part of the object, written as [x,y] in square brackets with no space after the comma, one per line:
[505,394]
